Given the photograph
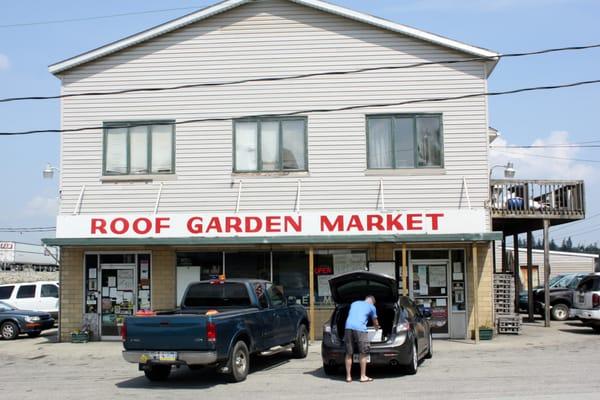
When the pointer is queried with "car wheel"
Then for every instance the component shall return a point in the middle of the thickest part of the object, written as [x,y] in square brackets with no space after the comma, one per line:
[411,368]
[330,369]
[9,330]
[300,349]
[157,373]
[239,362]
[34,334]
[560,312]
[429,347]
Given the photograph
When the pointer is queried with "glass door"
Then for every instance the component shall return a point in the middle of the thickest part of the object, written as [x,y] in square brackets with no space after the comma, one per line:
[430,287]
[118,299]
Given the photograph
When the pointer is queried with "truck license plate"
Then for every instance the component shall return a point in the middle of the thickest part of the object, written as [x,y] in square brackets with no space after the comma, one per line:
[163,356]
[582,298]
[356,358]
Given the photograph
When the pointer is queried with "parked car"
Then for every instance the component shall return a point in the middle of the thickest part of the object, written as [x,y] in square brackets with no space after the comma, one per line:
[586,302]
[406,335]
[561,296]
[14,322]
[38,296]
[220,324]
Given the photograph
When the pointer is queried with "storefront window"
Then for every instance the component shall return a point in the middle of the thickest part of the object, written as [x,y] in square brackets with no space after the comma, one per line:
[252,265]
[290,272]
[329,263]
[194,267]
[458,281]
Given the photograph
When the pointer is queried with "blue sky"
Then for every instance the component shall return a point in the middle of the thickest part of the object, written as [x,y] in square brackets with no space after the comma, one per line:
[567,116]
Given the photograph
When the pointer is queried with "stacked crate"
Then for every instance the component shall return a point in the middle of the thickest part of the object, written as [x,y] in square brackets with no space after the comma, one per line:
[504,304]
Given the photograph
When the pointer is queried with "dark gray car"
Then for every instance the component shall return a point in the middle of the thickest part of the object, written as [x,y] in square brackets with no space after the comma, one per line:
[406,336]
[14,322]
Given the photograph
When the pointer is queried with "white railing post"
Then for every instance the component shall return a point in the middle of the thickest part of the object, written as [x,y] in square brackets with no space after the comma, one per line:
[467,192]
[79,200]
[297,208]
[158,198]
[239,196]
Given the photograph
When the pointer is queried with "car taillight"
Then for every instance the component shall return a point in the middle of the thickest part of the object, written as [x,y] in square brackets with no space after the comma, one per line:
[211,332]
[403,327]
[596,300]
[124,332]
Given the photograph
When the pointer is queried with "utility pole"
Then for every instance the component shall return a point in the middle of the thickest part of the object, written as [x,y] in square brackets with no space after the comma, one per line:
[546,274]
[530,301]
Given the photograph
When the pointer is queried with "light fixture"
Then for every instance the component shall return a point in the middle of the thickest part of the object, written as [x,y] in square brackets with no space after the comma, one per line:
[509,170]
[48,172]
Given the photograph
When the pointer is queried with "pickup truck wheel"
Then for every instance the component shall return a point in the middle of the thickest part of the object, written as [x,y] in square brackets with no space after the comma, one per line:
[300,349]
[560,312]
[9,330]
[239,362]
[157,373]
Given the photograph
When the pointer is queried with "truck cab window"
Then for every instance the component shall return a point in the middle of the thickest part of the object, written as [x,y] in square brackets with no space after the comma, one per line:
[260,295]
[276,295]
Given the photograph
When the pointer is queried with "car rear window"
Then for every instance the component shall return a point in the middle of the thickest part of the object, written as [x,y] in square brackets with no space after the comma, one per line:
[5,292]
[217,295]
[591,283]
[26,292]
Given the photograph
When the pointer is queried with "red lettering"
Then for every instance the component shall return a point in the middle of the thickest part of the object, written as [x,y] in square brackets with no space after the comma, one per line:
[194,225]
[414,221]
[214,225]
[233,224]
[253,224]
[119,230]
[147,226]
[98,226]
[375,221]
[326,224]
[162,223]
[435,225]
[355,223]
[393,222]
[295,224]
[273,224]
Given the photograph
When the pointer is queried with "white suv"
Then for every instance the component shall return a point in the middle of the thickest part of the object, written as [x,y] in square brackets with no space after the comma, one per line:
[36,296]
[586,301]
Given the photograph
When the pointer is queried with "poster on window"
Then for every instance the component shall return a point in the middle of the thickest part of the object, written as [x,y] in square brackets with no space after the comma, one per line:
[437,276]
[323,289]
[125,279]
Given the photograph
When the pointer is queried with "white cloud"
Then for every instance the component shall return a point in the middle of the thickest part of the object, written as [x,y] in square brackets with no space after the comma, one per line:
[543,163]
[41,206]
[4,63]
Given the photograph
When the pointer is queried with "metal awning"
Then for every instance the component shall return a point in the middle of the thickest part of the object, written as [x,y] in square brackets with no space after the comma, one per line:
[338,239]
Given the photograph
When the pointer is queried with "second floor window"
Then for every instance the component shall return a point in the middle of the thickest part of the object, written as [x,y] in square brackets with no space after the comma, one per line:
[139,150]
[270,145]
[404,141]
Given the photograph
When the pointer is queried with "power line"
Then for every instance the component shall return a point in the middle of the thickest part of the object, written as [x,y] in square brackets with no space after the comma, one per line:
[569,226]
[551,146]
[28,229]
[62,21]
[316,110]
[544,156]
[301,76]
[579,233]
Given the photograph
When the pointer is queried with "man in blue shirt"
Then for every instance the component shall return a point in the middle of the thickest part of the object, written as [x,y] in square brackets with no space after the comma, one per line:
[356,333]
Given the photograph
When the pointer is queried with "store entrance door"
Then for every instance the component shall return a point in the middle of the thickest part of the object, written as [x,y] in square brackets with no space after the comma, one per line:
[429,286]
[117,285]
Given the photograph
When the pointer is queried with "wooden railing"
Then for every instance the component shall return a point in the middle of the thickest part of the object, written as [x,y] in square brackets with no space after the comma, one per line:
[537,198]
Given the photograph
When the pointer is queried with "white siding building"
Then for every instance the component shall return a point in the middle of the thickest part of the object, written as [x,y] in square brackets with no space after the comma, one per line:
[275,179]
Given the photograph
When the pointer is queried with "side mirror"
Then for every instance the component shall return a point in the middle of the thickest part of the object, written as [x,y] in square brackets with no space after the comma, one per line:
[291,301]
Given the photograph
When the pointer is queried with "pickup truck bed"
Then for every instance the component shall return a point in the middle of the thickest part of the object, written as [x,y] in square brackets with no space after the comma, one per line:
[220,323]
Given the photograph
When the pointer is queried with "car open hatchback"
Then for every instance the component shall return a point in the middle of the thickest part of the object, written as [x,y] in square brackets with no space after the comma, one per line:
[405,333]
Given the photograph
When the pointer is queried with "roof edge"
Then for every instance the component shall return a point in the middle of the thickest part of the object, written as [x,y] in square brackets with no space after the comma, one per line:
[226,5]
[341,239]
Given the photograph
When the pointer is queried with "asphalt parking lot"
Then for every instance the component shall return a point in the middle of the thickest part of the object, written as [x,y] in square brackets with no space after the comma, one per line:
[556,363]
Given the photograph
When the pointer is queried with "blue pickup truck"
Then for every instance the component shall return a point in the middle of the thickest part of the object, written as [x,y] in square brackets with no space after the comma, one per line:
[220,324]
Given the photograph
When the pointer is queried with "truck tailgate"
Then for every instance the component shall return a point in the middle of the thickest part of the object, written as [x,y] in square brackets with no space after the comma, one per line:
[167,332]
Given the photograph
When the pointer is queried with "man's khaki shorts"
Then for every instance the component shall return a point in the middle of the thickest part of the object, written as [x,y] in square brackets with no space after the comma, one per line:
[361,339]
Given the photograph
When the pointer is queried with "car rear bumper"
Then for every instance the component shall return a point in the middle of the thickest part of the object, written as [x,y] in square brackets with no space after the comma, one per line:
[380,354]
[586,316]
[183,357]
